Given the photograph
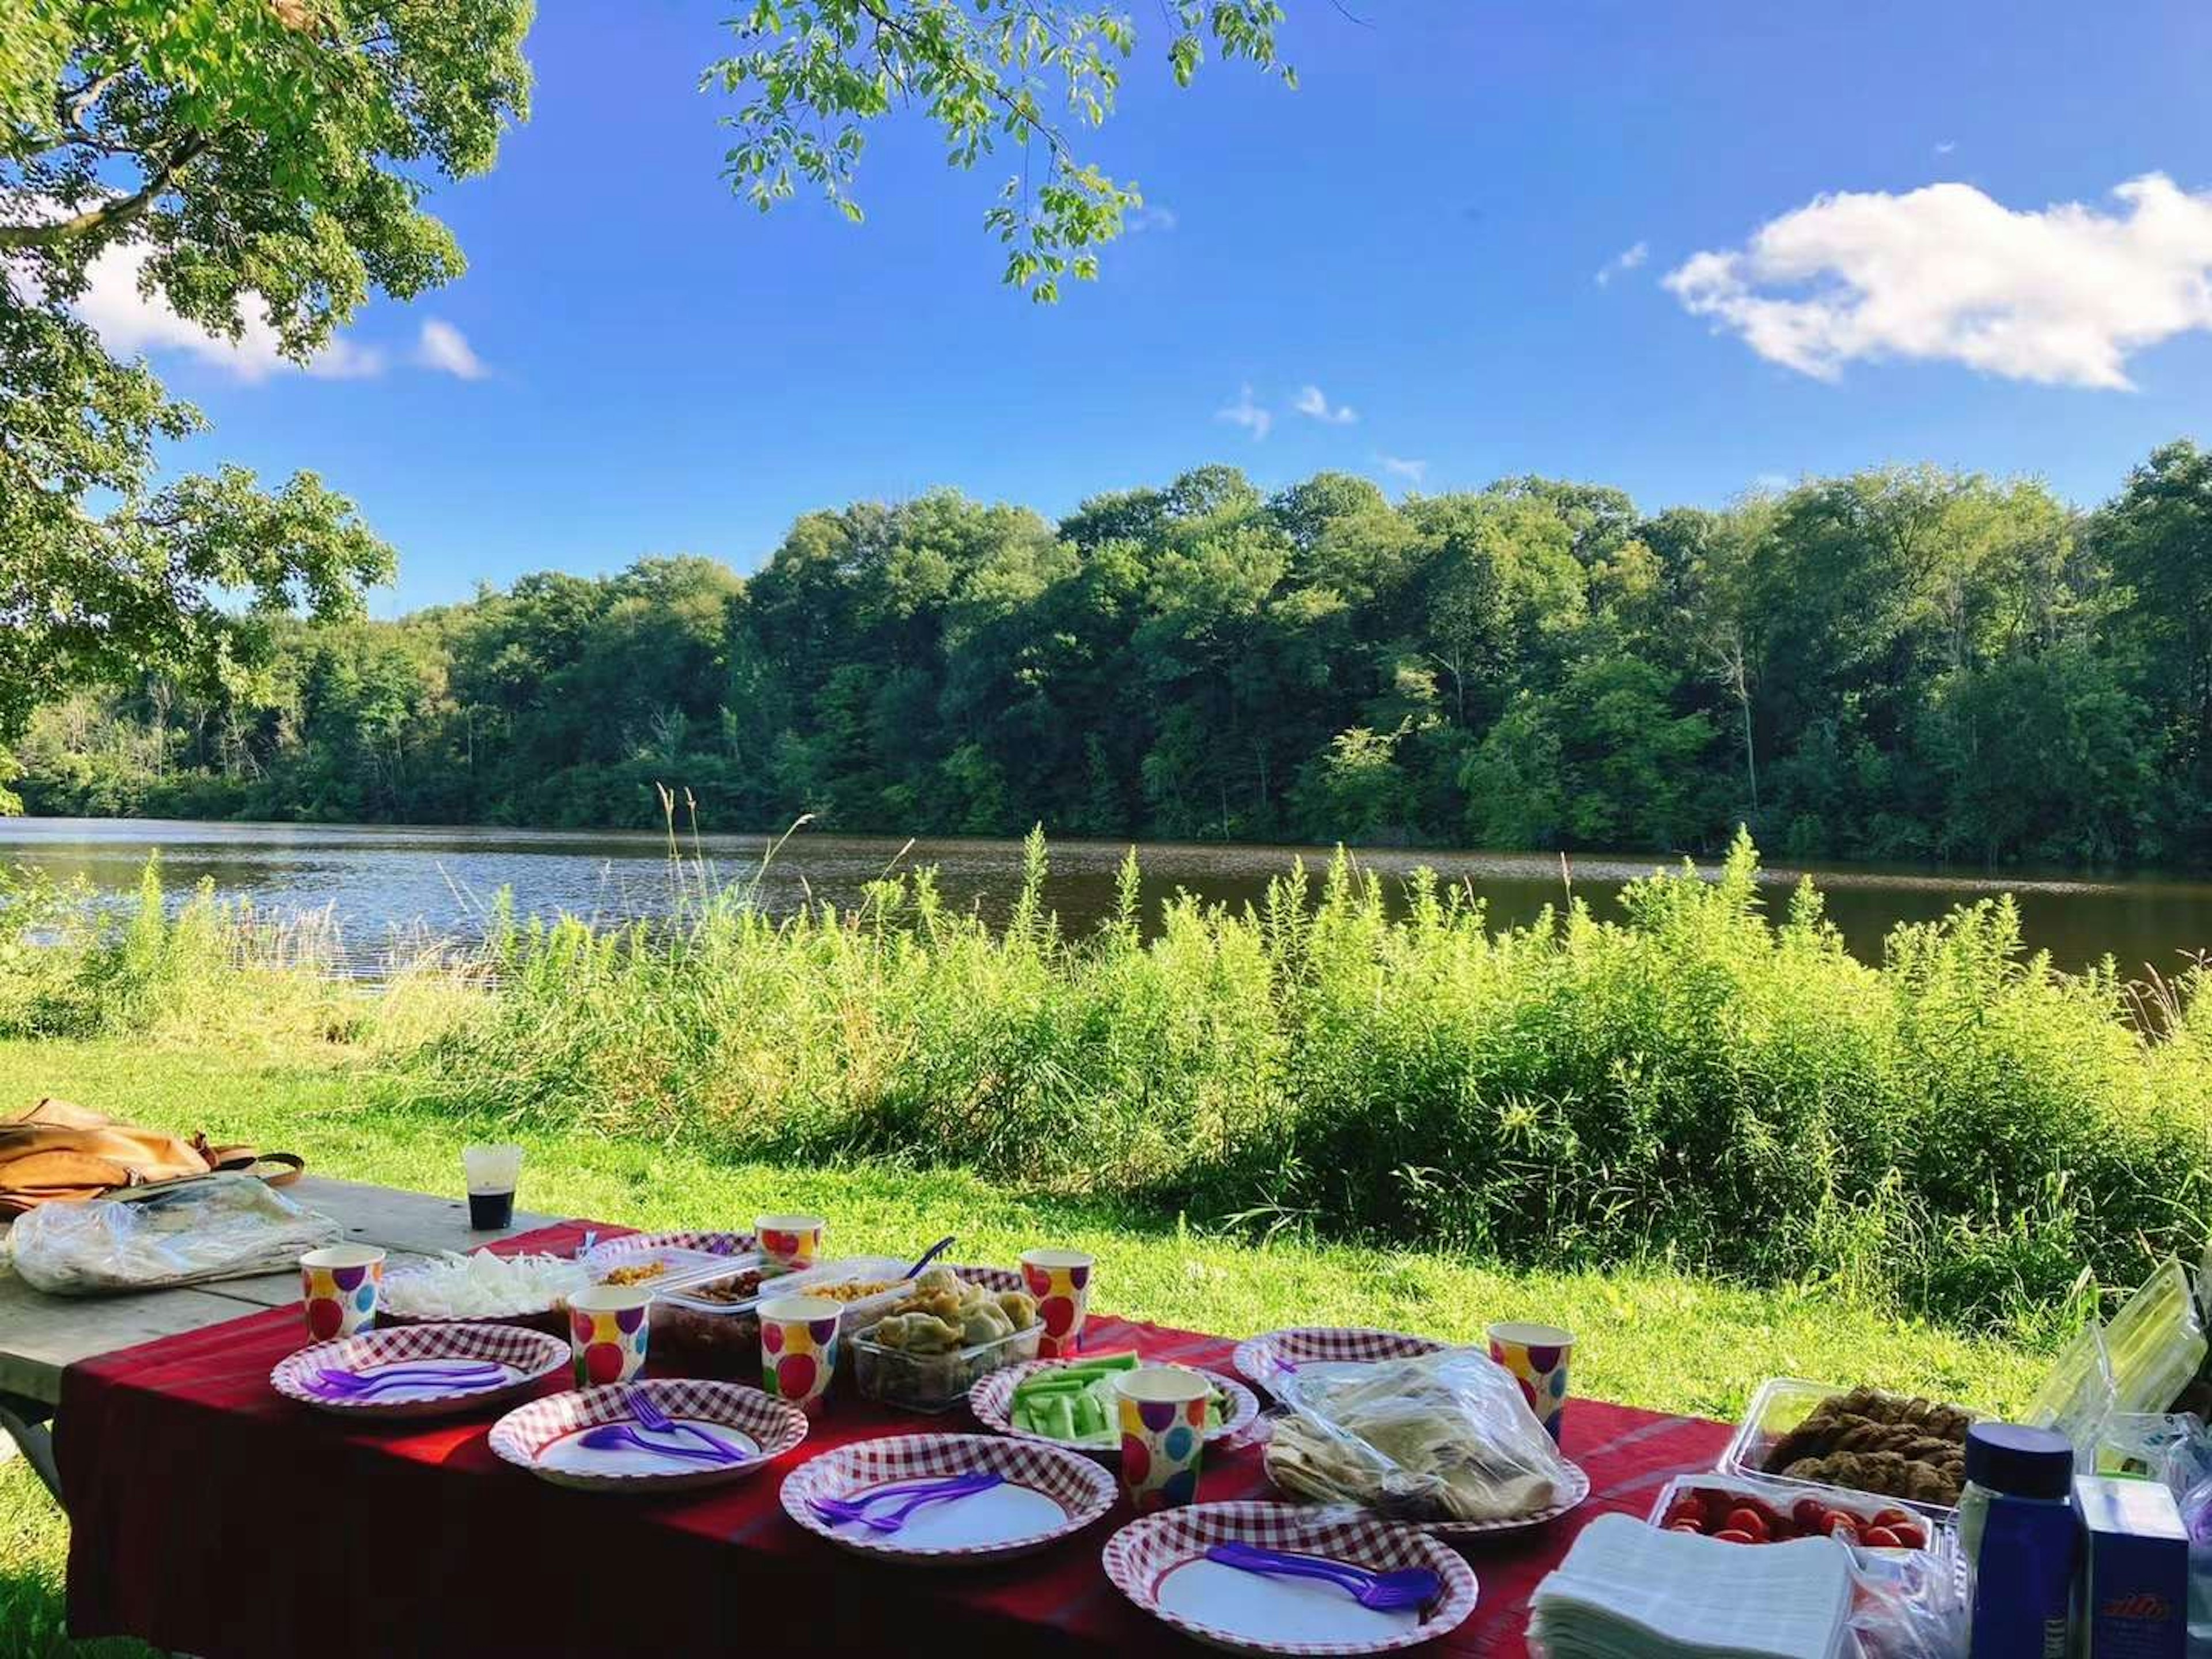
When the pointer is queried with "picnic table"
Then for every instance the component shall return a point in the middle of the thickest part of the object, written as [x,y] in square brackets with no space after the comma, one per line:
[211,1515]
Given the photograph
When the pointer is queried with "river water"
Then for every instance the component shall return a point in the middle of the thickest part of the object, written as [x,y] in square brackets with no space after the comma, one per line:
[373,880]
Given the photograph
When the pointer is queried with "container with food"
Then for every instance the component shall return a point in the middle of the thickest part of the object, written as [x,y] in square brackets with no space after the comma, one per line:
[1816,1434]
[1744,1510]
[943,1332]
[662,1267]
[712,1324]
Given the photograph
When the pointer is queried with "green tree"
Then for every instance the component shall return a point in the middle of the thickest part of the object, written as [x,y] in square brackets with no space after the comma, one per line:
[1027,73]
[260,160]
[2157,538]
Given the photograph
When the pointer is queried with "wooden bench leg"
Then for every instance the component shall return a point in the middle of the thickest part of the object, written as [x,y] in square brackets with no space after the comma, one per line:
[24,1421]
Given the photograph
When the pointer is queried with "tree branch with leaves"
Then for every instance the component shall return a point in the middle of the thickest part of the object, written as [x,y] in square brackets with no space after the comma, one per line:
[1030,75]
[255,159]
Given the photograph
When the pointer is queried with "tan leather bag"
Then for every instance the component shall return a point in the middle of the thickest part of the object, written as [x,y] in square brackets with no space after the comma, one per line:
[55,1151]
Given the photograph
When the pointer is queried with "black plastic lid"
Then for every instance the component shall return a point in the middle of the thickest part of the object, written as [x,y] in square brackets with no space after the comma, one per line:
[2019,1462]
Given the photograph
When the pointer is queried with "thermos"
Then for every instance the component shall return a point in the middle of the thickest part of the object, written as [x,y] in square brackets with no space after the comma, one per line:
[2019,1532]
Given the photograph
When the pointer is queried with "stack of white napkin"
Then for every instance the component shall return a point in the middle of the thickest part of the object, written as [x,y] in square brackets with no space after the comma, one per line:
[1631,1591]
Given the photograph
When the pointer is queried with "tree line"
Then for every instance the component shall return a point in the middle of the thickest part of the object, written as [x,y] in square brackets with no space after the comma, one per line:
[1908,663]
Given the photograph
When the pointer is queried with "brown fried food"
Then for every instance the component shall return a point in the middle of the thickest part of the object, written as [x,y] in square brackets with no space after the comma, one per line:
[1873,1442]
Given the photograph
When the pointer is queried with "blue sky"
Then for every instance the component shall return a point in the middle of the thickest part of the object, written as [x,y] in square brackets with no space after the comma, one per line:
[1418,231]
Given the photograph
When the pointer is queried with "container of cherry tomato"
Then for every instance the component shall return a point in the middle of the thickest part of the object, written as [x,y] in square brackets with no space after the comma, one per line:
[1740,1510]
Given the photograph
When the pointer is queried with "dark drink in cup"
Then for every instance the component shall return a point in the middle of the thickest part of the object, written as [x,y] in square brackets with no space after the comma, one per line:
[491,1173]
[491,1210]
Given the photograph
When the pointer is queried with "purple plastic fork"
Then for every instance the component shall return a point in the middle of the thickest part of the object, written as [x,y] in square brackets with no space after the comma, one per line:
[609,1436]
[1385,1592]
[468,1376]
[837,1511]
[646,1410]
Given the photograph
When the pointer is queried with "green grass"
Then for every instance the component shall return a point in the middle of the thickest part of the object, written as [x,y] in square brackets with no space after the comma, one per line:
[1651,1334]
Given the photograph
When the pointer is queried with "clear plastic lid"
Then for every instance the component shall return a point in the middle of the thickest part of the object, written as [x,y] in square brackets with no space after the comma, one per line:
[845,1271]
[2156,1342]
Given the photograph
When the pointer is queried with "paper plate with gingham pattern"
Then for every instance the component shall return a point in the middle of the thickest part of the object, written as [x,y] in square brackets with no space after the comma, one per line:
[637,1243]
[1159,1563]
[541,1437]
[1574,1488]
[1047,1493]
[526,1357]
[1272,1360]
[992,1400]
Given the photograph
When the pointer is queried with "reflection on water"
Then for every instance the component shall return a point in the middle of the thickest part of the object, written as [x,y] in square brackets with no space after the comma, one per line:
[371,878]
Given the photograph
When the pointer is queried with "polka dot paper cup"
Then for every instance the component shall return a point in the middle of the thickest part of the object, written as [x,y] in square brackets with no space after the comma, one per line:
[1060,1282]
[1537,1356]
[798,1347]
[1163,1410]
[607,1333]
[792,1241]
[339,1288]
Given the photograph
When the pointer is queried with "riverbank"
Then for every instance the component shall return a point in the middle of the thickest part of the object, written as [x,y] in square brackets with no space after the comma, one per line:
[1650,1335]
[1958,1132]
[368,880]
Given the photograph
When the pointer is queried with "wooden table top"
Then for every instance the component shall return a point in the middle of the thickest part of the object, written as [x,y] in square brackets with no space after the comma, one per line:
[41,1335]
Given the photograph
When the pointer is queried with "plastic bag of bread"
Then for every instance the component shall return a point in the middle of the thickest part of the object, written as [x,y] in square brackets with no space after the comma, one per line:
[1435,1436]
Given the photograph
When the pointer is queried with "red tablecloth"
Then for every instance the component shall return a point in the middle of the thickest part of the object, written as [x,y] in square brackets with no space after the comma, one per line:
[209,1514]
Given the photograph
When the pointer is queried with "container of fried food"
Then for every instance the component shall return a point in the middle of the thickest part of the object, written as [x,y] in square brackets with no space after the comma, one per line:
[1820,1434]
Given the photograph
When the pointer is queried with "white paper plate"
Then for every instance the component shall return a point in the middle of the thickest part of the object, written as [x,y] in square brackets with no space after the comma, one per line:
[525,1358]
[1046,1494]
[1276,1360]
[545,1436]
[1159,1563]
[992,1400]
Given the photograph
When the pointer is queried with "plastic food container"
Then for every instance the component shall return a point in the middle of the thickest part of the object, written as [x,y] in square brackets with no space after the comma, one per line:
[1782,1494]
[1782,1404]
[713,1323]
[935,1382]
[677,1267]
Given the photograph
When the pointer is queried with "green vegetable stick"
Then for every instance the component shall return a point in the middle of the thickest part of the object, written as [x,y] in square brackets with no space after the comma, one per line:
[1062,1418]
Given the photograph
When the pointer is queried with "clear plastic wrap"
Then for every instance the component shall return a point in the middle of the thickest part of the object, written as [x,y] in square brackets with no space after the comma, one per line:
[221,1226]
[1444,1436]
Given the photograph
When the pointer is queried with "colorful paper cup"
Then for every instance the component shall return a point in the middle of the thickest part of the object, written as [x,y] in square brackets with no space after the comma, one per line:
[607,1331]
[1163,1410]
[799,1346]
[1537,1357]
[339,1287]
[792,1241]
[1060,1282]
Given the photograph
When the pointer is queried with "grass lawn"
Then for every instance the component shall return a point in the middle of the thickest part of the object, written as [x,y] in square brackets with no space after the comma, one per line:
[1649,1335]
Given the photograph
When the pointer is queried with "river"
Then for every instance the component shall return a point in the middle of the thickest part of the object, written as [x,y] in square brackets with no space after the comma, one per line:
[374,878]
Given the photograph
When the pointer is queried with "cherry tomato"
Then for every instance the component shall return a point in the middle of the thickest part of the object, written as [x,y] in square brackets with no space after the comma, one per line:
[1690,1527]
[1730,1535]
[1911,1535]
[1750,1522]
[1879,1538]
[1686,1508]
[1894,1518]
[1810,1514]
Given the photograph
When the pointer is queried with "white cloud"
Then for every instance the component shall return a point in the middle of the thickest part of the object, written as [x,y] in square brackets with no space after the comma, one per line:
[1946,146]
[1413,472]
[2062,296]
[445,348]
[128,321]
[1150,218]
[1247,414]
[1311,402]
[1623,262]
